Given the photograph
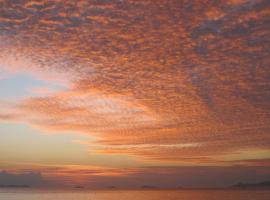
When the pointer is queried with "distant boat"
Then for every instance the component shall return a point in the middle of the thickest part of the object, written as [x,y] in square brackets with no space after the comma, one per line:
[111,187]
[149,187]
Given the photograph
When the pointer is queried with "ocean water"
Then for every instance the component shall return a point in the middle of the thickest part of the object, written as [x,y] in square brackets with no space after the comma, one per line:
[34,194]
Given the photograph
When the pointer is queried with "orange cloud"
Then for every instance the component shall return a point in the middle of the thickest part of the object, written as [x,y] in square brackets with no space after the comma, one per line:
[146,78]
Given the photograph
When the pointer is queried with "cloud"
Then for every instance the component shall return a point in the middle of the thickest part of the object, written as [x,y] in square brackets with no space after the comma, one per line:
[156,76]
[136,177]
[21,179]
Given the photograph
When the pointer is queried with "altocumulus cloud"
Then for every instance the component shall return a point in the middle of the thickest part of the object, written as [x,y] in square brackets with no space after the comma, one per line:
[156,75]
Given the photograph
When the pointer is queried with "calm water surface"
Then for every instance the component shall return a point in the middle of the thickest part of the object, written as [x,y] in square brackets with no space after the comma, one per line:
[31,194]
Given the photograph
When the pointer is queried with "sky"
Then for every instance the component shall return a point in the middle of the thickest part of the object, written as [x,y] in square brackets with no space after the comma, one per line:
[127,93]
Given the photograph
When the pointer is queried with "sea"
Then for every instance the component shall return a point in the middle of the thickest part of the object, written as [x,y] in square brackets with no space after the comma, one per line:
[115,194]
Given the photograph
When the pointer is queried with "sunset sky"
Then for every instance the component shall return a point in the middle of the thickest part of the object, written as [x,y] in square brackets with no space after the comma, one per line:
[128,93]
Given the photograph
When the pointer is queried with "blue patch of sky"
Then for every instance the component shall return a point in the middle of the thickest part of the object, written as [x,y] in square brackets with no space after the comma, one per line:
[19,86]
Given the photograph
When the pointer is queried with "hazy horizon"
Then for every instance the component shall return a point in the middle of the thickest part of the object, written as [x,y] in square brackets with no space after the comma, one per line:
[179,181]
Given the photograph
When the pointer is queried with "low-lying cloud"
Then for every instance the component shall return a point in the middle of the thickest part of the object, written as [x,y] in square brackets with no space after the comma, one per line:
[28,179]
